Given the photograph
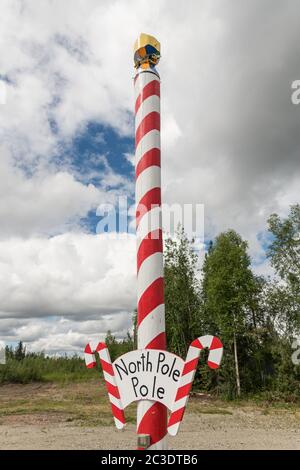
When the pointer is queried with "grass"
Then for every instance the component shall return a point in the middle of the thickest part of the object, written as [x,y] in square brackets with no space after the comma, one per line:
[64,389]
[86,404]
[211,410]
[39,368]
[79,403]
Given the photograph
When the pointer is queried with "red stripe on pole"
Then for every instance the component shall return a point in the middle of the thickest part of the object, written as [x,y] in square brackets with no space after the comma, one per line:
[176,416]
[152,88]
[183,391]
[118,413]
[150,245]
[107,367]
[150,158]
[189,366]
[154,423]
[159,342]
[152,297]
[112,389]
[149,201]
[149,123]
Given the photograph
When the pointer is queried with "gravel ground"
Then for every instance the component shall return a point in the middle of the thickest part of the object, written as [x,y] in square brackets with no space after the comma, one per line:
[243,429]
[78,416]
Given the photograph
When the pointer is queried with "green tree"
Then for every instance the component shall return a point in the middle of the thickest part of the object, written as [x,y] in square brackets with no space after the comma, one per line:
[118,347]
[282,297]
[284,251]
[228,285]
[182,303]
[20,351]
[112,344]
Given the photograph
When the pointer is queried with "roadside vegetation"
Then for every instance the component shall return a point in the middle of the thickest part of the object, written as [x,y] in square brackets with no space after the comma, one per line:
[26,367]
[256,317]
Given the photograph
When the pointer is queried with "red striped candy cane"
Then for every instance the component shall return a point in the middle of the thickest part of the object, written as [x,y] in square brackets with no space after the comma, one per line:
[188,373]
[151,416]
[109,377]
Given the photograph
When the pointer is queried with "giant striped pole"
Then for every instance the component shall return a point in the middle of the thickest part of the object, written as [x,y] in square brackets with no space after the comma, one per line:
[151,416]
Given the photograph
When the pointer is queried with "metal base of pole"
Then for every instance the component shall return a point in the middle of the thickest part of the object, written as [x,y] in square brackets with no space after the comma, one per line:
[143,441]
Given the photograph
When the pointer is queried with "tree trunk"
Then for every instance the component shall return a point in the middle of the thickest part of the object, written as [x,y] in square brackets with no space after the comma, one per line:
[253,318]
[237,372]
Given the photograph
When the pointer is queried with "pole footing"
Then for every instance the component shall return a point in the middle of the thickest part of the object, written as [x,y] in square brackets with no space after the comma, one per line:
[143,441]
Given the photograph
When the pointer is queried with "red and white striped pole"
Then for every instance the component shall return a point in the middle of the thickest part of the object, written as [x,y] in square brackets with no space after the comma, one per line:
[151,416]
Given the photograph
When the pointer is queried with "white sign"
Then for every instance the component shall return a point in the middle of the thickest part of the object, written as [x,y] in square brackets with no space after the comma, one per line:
[148,374]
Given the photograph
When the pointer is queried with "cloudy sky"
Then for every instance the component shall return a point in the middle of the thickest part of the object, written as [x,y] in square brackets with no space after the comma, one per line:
[230,140]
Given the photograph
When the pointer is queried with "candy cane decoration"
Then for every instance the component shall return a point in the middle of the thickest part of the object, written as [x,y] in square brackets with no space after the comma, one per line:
[151,416]
[109,377]
[186,380]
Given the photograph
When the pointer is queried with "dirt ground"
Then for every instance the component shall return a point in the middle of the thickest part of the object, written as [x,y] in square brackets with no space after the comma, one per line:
[78,417]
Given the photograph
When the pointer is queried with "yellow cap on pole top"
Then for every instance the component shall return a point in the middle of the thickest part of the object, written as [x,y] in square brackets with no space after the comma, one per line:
[146,51]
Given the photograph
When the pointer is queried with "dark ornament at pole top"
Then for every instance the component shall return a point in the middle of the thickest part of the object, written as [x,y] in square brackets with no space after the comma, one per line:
[146,51]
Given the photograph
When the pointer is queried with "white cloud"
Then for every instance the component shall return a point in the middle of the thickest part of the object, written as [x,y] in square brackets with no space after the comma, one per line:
[60,335]
[72,274]
[230,135]
[74,64]
[130,157]
[47,202]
